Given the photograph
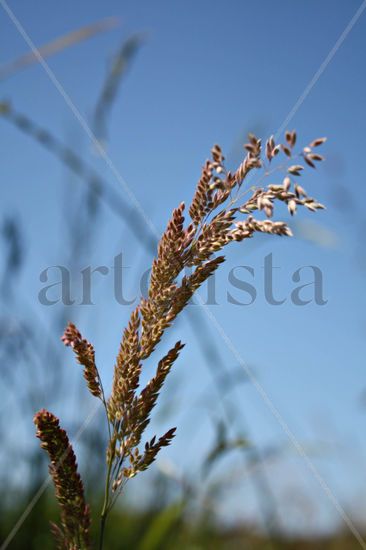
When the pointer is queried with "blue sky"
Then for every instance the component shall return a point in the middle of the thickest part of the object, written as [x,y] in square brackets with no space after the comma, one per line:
[209,72]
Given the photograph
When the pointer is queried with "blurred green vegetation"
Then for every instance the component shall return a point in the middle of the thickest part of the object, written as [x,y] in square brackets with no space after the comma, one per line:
[164,528]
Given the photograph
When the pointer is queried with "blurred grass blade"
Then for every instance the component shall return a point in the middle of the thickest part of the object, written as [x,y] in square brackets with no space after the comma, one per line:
[161,527]
[222,445]
[58,45]
[120,64]
[105,192]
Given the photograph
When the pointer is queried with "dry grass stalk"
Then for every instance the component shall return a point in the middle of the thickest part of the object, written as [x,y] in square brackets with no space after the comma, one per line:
[219,215]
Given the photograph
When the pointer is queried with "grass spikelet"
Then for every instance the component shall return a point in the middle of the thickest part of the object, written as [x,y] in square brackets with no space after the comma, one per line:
[85,354]
[73,533]
[127,369]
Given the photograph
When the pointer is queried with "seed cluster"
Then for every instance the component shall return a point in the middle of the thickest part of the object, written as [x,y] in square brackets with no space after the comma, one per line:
[85,354]
[211,228]
[73,534]
[219,215]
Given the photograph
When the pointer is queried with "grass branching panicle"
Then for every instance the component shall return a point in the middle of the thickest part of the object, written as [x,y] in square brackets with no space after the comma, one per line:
[223,210]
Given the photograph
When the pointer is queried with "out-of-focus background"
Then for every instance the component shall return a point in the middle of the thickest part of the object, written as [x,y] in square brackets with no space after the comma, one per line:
[157,84]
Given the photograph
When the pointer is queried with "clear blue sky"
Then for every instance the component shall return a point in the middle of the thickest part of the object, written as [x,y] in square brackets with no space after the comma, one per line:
[209,72]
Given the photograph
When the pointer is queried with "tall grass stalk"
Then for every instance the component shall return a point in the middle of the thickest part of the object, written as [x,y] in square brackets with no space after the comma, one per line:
[221,212]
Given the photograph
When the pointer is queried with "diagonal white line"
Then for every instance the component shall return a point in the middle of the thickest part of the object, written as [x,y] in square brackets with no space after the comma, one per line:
[285,427]
[297,445]
[79,117]
[46,483]
[321,69]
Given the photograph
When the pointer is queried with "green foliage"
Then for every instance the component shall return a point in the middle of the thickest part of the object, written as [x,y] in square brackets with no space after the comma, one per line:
[161,529]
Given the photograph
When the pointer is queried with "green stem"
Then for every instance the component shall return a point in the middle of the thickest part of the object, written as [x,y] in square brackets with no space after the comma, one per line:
[104,401]
[102,526]
[103,516]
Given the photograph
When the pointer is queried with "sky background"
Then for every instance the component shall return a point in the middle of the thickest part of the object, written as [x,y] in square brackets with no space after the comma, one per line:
[209,72]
